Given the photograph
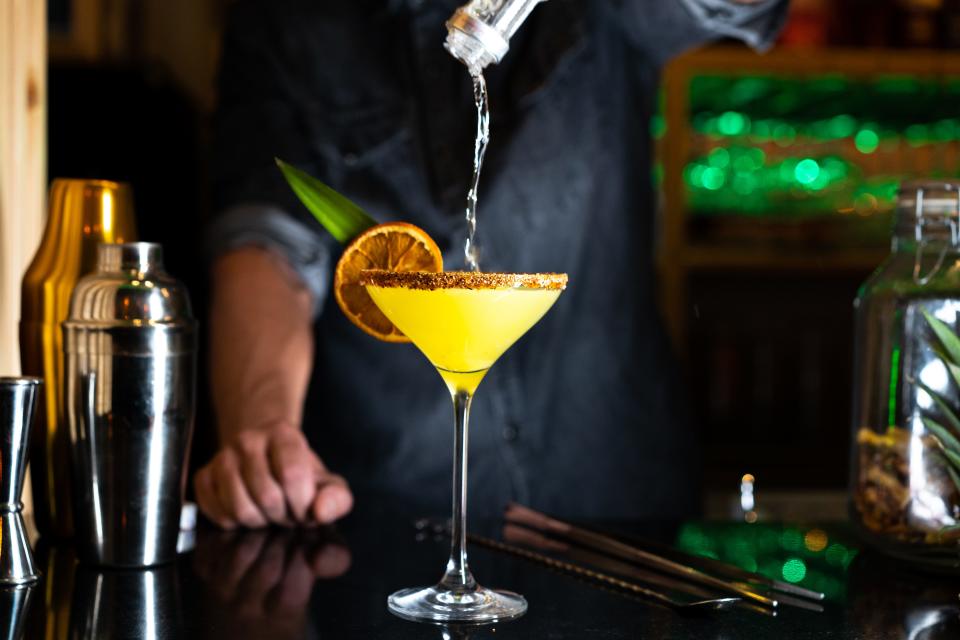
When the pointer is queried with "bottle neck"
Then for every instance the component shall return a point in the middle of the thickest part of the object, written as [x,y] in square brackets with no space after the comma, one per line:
[479,32]
[137,257]
[930,234]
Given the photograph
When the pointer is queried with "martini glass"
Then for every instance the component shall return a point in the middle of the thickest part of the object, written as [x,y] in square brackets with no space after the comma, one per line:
[462,322]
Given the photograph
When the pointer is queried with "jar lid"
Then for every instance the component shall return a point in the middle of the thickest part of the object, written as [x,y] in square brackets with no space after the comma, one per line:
[937,197]
[130,287]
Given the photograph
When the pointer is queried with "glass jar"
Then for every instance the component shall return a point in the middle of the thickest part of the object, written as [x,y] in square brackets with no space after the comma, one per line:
[905,486]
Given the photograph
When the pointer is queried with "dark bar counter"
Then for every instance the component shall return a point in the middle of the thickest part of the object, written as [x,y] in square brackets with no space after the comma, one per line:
[333,583]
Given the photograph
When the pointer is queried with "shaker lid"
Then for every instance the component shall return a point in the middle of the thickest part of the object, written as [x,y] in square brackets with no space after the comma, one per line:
[130,286]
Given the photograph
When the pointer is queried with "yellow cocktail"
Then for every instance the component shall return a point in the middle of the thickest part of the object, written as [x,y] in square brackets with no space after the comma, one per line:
[462,322]
[461,330]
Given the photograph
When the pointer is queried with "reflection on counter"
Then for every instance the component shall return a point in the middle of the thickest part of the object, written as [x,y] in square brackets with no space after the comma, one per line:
[460,632]
[287,585]
[14,606]
[113,605]
[258,583]
[890,601]
[250,584]
[50,617]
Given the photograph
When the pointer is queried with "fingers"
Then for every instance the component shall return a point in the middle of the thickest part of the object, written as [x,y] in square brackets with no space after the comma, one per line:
[234,498]
[333,500]
[207,500]
[270,477]
[263,488]
[296,468]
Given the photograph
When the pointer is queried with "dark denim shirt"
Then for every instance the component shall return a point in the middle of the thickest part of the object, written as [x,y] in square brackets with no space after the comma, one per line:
[585,415]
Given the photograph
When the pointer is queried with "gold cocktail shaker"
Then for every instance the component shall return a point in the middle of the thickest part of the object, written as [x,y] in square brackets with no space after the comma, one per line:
[82,214]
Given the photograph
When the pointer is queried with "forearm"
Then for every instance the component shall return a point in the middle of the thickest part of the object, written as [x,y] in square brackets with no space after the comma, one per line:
[261,345]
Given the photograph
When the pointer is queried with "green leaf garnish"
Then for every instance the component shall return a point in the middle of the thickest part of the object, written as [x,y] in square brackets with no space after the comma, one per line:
[953,457]
[951,367]
[945,334]
[956,481]
[946,439]
[338,215]
[949,353]
[944,407]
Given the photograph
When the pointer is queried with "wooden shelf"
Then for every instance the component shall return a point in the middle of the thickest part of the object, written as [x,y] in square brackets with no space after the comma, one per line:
[781,259]
[728,58]
[685,252]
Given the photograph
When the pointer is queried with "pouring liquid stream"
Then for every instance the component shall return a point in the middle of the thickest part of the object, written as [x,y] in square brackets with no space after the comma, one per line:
[479,150]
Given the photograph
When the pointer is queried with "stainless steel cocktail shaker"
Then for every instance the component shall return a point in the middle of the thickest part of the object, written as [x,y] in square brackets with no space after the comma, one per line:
[130,360]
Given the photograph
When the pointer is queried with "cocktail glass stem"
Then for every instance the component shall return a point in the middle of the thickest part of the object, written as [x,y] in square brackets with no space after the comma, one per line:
[458,577]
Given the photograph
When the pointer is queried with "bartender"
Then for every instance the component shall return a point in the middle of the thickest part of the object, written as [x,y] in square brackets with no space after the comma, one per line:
[585,416]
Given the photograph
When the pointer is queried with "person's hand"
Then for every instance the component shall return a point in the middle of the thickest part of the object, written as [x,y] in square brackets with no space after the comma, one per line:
[270,476]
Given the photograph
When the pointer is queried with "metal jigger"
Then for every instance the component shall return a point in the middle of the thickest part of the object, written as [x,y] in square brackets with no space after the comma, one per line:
[17,402]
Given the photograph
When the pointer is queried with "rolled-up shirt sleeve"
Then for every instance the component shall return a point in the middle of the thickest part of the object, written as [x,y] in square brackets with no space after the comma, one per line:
[265,226]
[756,24]
[666,28]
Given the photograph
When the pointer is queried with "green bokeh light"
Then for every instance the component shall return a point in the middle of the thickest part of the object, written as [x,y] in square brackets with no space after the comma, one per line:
[762,130]
[732,123]
[836,554]
[807,171]
[834,168]
[784,134]
[794,570]
[787,170]
[761,548]
[694,175]
[866,141]
[944,130]
[719,158]
[791,539]
[713,178]
[842,126]
[745,163]
[744,184]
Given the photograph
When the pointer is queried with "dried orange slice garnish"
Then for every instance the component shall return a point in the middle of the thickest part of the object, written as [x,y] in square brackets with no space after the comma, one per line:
[392,246]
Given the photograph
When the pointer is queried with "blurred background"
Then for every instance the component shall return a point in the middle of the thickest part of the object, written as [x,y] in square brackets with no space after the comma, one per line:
[777,176]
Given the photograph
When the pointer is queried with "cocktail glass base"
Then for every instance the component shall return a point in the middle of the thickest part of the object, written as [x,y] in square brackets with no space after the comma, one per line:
[438,604]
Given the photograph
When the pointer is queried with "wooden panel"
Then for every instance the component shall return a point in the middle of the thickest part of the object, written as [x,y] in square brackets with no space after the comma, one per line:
[22,157]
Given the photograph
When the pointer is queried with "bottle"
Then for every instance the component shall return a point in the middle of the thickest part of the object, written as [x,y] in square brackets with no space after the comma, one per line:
[82,214]
[905,481]
[479,32]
